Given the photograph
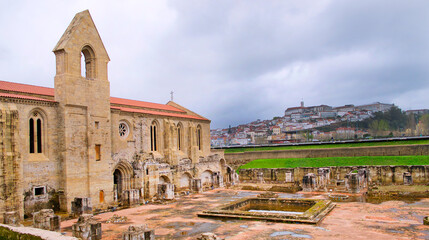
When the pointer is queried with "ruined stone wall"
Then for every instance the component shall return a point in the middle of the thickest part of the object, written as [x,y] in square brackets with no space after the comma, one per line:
[238,159]
[10,161]
[383,175]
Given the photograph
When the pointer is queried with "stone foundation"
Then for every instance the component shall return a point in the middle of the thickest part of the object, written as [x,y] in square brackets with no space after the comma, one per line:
[352,179]
[47,220]
[138,232]
[87,228]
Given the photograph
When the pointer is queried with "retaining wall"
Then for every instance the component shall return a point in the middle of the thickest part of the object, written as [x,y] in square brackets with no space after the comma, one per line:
[237,159]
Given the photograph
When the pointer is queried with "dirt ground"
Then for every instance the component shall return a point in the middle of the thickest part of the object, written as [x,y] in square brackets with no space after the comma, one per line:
[348,220]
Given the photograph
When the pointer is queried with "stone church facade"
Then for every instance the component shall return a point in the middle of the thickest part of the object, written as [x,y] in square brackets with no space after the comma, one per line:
[76,141]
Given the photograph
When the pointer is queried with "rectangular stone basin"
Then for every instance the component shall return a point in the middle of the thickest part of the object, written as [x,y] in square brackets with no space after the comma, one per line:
[310,211]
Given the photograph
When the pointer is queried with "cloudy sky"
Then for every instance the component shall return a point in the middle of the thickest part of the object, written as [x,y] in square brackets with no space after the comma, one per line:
[236,61]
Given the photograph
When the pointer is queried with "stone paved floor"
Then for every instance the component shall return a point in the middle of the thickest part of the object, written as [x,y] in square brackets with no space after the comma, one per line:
[353,220]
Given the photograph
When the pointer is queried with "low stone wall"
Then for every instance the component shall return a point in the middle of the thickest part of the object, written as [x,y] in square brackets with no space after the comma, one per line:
[382,175]
[237,159]
[27,233]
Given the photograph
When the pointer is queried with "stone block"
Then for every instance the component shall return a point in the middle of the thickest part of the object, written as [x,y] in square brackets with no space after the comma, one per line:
[131,197]
[166,191]
[81,206]
[196,185]
[309,182]
[87,228]
[47,220]
[138,232]
[208,236]
[11,218]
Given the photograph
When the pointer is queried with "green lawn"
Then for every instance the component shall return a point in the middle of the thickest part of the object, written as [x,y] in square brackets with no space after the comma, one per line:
[337,161]
[336,145]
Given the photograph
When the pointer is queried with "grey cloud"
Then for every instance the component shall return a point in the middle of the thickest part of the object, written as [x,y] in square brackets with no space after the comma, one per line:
[236,61]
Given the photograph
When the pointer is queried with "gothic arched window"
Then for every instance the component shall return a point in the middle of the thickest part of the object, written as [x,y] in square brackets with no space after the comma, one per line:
[199,137]
[154,136]
[179,136]
[36,132]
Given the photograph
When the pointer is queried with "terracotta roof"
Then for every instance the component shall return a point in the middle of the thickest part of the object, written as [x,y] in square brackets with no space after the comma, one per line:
[129,102]
[25,88]
[10,95]
[169,114]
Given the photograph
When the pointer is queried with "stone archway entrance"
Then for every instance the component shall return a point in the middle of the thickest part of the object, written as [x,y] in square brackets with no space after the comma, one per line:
[122,176]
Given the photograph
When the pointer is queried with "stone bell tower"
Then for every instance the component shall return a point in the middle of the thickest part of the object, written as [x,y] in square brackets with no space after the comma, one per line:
[84,113]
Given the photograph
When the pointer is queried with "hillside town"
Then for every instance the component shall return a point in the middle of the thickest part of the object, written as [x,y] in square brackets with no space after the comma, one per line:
[303,124]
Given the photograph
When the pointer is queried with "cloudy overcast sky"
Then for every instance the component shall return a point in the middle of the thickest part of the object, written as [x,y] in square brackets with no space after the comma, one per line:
[236,61]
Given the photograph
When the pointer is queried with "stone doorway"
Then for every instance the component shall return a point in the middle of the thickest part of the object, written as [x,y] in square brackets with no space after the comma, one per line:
[122,180]
[117,184]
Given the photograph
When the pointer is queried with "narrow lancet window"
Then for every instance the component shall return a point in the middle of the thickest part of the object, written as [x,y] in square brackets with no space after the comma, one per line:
[31,133]
[153,137]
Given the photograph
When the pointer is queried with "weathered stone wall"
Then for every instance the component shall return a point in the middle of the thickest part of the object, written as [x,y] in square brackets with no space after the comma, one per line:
[238,159]
[383,175]
[10,161]
[40,170]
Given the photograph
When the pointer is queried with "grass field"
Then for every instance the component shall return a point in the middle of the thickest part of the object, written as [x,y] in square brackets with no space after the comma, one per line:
[337,161]
[338,145]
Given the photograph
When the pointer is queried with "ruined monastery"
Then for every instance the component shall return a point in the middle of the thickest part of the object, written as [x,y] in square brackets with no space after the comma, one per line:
[75,141]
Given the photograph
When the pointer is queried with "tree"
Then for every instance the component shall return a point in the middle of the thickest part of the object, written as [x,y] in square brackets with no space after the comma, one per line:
[424,124]
[379,126]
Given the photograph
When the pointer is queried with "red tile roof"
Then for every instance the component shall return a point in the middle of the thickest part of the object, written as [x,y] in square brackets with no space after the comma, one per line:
[129,102]
[24,97]
[157,113]
[25,88]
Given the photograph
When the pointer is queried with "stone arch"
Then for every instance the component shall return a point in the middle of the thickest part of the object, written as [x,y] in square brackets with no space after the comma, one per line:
[89,62]
[122,175]
[206,178]
[164,179]
[185,180]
